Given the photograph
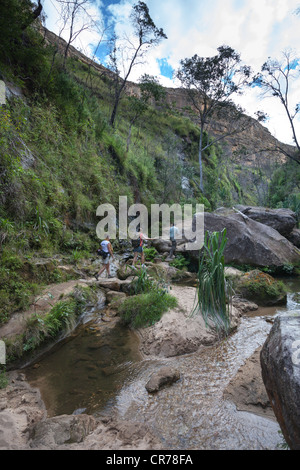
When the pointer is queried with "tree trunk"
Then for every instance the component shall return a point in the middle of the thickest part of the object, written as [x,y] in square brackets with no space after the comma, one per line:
[200,159]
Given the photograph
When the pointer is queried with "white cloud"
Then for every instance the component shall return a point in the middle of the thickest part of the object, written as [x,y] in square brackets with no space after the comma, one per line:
[256,29]
[88,37]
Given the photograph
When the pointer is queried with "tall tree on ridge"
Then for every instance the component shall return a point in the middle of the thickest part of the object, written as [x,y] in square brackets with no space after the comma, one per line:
[146,35]
[211,83]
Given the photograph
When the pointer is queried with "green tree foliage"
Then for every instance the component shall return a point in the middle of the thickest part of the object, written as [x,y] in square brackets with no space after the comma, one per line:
[15,39]
[211,83]
[284,190]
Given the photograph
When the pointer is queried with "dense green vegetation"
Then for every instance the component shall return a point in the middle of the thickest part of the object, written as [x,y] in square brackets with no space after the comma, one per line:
[145,309]
[60,159]
[40,328]
[284,188]
[149,298]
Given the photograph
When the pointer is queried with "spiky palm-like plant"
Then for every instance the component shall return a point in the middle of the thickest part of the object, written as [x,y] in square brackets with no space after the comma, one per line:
[214,293]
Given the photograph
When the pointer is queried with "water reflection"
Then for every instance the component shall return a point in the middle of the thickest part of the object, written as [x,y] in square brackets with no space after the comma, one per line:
[85,371]
[99,371]
[192,414]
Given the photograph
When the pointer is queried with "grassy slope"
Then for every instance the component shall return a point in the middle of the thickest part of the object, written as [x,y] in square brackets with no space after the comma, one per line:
[61,159]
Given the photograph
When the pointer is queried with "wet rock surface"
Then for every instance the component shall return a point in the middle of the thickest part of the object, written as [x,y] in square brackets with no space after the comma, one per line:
[165,376]
[294,237]
[24,425]
[21,406]
[60,430]
[247,391]
[280,362]
[175,337]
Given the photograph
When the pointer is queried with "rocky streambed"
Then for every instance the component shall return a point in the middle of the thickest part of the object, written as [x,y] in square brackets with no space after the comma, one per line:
[218,400]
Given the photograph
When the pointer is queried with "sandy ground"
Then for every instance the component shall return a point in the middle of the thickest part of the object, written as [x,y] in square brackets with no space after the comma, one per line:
[178,332]
[247,390]
[24,425]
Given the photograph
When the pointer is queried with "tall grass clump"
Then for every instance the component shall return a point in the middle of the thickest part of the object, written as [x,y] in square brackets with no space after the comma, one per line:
[139,311]
[3,377]
[214,292]
[148,301]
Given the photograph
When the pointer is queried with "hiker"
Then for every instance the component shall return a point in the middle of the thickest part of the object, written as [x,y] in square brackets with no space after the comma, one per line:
[173,232]
[138,247]
[106,252]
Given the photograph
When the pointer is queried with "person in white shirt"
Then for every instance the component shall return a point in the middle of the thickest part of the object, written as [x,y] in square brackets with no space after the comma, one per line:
[173,232]
[108,250]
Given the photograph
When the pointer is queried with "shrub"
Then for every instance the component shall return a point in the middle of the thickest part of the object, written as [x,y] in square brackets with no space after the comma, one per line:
[3,379]
[145,309]
[180,262]
[150,253]
[142,282]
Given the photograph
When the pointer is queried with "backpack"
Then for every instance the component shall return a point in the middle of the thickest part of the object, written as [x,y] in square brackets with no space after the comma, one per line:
[102,253]
[135,243]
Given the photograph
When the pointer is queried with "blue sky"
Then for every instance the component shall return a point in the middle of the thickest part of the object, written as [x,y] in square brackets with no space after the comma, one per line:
[257,29]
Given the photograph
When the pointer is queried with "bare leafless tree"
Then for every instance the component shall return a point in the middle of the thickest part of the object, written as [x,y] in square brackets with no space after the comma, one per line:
[146,35]
[275,80]
[75,18]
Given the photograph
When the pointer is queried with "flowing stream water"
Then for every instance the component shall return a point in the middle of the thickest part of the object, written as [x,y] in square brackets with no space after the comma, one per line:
[98,370]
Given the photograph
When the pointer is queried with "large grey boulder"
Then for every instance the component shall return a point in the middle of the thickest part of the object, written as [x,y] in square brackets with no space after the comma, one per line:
[280,363]
[250,242]
[283,220]
[294,237]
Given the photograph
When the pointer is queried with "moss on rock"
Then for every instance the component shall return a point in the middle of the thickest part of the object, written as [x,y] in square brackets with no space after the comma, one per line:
[261,288]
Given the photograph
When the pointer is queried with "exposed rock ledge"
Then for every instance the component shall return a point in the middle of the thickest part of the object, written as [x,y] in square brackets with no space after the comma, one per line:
[178,332]
[247,391]
[24,425]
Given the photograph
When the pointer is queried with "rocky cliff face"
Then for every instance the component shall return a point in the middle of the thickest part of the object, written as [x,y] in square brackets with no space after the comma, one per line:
[251,146]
